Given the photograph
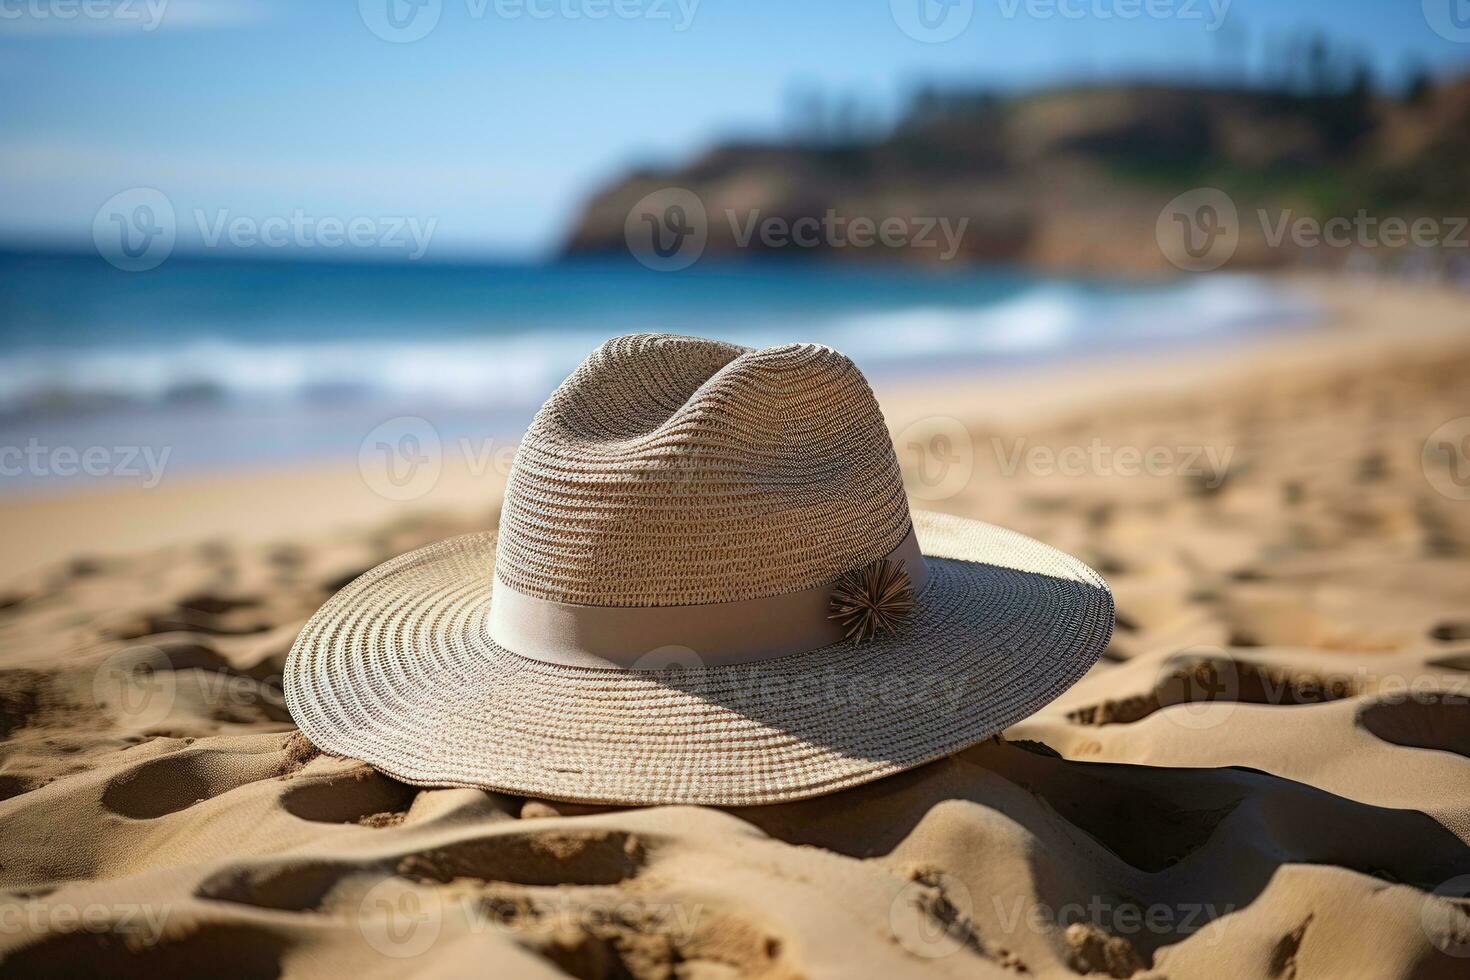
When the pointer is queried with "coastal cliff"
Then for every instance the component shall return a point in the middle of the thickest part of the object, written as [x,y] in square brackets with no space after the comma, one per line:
[1075,179]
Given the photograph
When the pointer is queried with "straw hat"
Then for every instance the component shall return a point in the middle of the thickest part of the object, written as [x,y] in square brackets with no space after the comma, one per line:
[707,587]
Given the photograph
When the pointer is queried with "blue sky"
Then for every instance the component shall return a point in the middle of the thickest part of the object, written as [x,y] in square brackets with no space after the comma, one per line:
[498,123]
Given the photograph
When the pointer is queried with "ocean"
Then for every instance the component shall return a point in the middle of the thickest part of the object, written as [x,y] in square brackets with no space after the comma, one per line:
[241,362]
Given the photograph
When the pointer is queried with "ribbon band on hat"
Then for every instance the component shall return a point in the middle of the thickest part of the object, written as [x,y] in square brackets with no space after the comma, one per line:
[641,637]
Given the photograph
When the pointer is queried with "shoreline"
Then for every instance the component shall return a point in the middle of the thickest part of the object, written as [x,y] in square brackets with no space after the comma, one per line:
[274,503]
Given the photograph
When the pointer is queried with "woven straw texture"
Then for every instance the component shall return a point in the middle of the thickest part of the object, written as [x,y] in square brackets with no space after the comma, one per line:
[399,670]
[674,471]
[677,471]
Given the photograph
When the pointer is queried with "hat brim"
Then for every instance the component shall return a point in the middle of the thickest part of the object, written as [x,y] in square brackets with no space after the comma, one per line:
[398,669]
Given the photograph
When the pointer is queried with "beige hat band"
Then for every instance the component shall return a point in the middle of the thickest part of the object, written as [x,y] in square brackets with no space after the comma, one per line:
[655,637]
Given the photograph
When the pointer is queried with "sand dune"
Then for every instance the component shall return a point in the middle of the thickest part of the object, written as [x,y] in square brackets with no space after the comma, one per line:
[1268,775]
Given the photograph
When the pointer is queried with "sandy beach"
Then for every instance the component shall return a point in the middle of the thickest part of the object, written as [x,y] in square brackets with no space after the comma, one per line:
[1268,775]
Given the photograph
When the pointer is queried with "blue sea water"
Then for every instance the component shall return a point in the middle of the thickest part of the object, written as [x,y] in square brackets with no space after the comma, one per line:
[229,362]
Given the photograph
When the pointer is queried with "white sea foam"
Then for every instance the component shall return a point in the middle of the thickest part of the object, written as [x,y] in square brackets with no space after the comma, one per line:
[514,369]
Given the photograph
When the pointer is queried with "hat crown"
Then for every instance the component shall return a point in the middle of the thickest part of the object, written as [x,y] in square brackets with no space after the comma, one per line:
[671,470]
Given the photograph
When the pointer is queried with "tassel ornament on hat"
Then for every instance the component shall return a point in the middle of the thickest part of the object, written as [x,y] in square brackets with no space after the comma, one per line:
[877,598]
